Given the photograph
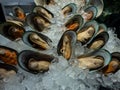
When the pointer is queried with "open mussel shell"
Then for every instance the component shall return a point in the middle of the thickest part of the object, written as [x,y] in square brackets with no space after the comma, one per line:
[87,32]
[90,13]
[114,65]
[8,55]
[65,45]
[7,70]
[11,30]
[99,41]
[34,62]
[37,22]
[37,40]
[99,5]
[94,61]
[69,9]
[44,2]
[43,11]
[19,13]
[102,28]
[74,23]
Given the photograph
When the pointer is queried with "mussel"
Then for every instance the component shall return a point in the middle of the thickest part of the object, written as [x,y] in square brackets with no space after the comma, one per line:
[37,22]
[74,23]
[11,30]
[7,70]
[94,61]
[34,62]
[99,41]
[37,40]
[90,13]
[99,5]
[8,55]
[43,11]
[44,2]
[114,64]
[19,13]
[69,9]
[87,32]
[65,45]
[101,28]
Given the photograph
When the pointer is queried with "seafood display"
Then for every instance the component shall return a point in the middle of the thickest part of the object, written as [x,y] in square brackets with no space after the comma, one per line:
[34,62]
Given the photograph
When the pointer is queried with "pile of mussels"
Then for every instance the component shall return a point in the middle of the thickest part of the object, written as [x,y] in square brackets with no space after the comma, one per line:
[80,28]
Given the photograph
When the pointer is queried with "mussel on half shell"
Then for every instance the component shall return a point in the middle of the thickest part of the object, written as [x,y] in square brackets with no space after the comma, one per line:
[99,41]
[34,62]
[43,11]
[8,55]
[37,40]
[114,64]
[44,2]
[37,21]
[87,32]
[102,28]
[11,30]
[69,9]
[65,45]
[94,61]
[7,70]
[74,23]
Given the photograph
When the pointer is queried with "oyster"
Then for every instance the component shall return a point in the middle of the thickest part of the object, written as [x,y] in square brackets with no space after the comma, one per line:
[87,32]
[43,11]
[37,40]
[69,9]
[37,22]
[114,64]
[19,13]
[7,70]
[74,23]
[65,45]
[99,5]
[90,13]
[94,61]
[34,62]
[99,41]
[11,30]
[8,55]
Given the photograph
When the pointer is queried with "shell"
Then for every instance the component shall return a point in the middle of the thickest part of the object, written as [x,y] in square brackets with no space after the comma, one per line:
[99,5]
[43,11]
[99,41]
[37,22]
[11,30]
[44,2]
[7,70]
[69,9]
[74,23]
[102,28]
[114,65]
[90,13]
[94,61]
[42,61]
[8,55]
[43,44]
[87,32]
[65,45]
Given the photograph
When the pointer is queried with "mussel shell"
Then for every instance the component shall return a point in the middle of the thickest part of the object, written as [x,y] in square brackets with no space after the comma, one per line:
[102,53]
[26,55]
[72,9]
[102,28]
[92,9]
[92,23]
[104,36]
[71,35]
[30,21]
[43,11]
[75,19]
[116,55]
[7,30]
[99,5]
[7,56]
[27,41]
[44,2]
